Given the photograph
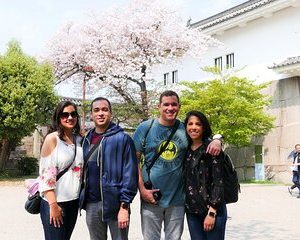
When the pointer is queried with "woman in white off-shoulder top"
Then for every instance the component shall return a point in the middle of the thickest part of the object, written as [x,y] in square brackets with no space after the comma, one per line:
[61,150]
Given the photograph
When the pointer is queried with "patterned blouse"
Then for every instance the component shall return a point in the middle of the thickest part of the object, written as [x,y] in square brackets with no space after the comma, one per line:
[68,186]
[203,181]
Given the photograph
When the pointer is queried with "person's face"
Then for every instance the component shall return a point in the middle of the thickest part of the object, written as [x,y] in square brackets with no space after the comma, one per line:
[101,115]
[297,149]
[68,117]
[194,128]
[168,109]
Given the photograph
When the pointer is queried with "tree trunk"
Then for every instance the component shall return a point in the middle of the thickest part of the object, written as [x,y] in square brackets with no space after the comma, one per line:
[144,98]
[4,153]
[83,102]
[144,94]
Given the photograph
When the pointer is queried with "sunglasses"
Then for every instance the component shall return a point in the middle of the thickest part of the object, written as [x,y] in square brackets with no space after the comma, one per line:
[65,115]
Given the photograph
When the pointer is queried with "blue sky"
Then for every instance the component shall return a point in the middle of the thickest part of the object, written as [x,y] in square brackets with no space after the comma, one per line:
[33,22]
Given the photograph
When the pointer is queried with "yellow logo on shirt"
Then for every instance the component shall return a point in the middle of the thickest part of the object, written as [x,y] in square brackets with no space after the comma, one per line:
[170,151]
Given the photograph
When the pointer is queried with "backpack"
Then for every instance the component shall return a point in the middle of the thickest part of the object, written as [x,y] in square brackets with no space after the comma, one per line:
[231,181]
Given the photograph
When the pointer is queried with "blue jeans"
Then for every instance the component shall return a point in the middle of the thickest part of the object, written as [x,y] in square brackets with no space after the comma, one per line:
[296,179]
[153,216]
[98,229]
[195,224]
[64,232]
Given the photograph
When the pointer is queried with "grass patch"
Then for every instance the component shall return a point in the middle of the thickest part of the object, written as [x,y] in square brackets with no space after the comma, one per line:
[259,182]
[14,176]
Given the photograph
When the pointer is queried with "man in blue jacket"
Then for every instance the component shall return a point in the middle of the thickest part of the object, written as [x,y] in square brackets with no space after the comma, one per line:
[110,175]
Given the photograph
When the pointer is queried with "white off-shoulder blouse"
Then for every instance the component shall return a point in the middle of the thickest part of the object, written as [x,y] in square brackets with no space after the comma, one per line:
[68,186]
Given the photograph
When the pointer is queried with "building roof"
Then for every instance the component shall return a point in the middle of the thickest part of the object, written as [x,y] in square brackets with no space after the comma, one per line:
[290,66]
[288,62]
[77,101]
[231,13]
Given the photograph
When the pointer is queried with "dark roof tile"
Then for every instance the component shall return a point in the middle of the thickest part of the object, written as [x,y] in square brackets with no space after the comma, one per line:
[289,61]
[231,13]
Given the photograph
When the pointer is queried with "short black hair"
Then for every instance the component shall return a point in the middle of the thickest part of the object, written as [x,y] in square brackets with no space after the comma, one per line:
[207,132]
[168,93]
[101,99]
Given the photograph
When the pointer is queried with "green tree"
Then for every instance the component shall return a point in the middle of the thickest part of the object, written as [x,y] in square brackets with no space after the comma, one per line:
[234,105]
[26,98]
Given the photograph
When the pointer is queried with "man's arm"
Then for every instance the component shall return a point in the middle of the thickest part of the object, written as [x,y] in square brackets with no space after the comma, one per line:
[215,146]
[146,194]
[130,182]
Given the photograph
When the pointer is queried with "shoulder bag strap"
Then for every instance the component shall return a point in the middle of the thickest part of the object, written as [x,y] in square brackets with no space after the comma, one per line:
[162,148]
[59,175]
[92,150]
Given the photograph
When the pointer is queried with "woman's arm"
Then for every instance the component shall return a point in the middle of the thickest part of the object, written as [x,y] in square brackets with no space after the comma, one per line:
[48,172]
[217,192]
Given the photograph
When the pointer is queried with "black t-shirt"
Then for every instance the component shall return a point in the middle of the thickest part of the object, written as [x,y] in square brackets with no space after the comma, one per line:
[93,170]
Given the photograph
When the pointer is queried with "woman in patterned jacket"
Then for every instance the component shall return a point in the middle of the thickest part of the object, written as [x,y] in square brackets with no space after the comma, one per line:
[205,205]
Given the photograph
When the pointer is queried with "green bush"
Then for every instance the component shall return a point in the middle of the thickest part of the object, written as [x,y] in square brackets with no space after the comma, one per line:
[27,165]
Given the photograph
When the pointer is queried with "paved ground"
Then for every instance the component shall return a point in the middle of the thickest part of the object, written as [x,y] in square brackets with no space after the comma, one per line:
[262,213]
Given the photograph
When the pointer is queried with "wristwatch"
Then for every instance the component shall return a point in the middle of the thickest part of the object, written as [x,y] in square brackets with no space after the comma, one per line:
[125,205]
[212,214]
[217,136]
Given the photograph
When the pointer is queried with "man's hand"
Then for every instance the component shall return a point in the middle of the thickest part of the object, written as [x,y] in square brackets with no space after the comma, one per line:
[123,218]
[147,195]
[215,147]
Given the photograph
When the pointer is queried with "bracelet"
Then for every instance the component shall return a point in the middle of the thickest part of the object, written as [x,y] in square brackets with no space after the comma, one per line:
[52,203]
[212,214]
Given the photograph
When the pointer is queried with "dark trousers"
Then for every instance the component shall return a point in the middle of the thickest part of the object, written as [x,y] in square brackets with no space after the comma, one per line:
[195,224]
[296,179]
[70,212]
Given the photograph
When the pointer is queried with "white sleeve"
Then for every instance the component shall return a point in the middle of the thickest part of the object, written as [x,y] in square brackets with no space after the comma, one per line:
[47,173]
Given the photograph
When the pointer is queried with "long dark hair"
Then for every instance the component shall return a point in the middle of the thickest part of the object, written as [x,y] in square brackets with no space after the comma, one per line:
[56,125]
[207,132]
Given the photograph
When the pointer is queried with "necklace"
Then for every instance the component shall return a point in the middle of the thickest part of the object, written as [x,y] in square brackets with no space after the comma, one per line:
[194,146]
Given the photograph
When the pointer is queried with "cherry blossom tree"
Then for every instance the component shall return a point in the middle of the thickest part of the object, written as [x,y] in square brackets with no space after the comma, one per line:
[120,47]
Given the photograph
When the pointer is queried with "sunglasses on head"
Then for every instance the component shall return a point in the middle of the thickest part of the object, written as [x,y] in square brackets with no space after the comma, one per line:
[73,114]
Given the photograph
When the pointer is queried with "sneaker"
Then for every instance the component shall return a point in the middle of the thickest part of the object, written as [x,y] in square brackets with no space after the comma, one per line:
[298,196]
[290,190]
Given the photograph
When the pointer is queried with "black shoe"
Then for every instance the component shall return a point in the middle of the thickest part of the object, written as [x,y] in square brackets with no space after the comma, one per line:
[290,190]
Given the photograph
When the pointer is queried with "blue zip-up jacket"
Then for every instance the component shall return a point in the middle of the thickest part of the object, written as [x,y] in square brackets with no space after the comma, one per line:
[116,156]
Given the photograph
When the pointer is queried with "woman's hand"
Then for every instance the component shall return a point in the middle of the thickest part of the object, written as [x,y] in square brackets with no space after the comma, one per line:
[56,214]
[209,223]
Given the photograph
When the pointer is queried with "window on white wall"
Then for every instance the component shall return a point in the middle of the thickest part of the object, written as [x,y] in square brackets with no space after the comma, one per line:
[218,62]
[230,60]
[175,76]
[166,79]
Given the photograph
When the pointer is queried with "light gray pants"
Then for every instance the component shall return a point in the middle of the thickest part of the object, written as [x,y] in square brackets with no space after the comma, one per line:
[98,229]
[153,216]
